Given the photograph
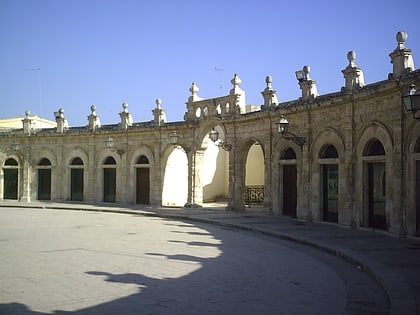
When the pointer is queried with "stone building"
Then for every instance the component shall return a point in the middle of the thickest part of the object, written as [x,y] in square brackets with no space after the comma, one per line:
[350,157]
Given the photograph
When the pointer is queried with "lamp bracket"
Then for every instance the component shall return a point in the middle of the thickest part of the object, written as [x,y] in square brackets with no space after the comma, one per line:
[300,141]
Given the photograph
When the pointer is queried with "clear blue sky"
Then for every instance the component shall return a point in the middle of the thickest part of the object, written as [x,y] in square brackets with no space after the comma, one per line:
[106,52]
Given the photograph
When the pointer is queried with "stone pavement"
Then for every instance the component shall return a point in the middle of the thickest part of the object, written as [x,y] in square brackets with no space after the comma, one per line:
[394,262]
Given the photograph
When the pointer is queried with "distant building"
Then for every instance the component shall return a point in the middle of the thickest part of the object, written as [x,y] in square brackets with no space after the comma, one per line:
[8,124]
[351,157]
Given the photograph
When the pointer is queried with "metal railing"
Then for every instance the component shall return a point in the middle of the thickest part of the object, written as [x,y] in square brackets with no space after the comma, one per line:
[254,195]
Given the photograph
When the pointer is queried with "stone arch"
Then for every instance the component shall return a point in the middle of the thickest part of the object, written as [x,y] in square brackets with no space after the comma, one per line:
[329,171]
[68,171]
[376,131]
[144,173]
[282,167]
[412,178]
[44,152]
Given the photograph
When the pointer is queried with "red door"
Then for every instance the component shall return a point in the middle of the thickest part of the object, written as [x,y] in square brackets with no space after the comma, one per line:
[289,190]
[143,186]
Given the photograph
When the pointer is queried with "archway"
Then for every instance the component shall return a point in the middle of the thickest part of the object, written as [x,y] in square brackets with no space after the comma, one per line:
[44,179]
[329,182]
[175,182]
[76,179]
[214,171]
[142,180]
[110,179]
[254,175]
[11,179]
[376,184]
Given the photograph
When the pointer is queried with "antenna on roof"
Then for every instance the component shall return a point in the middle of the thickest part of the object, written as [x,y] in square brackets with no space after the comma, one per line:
[220,79]
[39,88]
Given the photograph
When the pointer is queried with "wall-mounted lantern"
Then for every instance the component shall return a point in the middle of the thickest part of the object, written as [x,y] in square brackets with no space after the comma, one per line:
[283,129]
[214,136]
[174,138]
[411,101]
[111,145]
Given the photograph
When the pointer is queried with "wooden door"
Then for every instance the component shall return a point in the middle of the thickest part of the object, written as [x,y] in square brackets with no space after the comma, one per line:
[143,185]
[289,190]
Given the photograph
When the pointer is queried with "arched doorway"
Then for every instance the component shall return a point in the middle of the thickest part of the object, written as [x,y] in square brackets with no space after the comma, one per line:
[376,184]
[109,179]
[329,183]
[11,179]
[44,179]
[175,183]
[142,180]
[76,179]
[288,183]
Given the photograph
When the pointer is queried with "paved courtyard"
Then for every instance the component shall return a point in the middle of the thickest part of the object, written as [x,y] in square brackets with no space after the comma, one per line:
[77,262]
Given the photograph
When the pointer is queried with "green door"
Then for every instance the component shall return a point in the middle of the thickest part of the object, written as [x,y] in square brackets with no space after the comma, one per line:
[376,195]
[10,189]
[110,176]
[330,192]
[44,184]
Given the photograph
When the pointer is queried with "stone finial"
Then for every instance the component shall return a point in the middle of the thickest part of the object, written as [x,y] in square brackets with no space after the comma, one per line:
[158,103]
[93,119]
[126,118]
[194,89]
[401,57]
[354,78]
[401,38]
[269,94]
[238,93]
[60,120]
[159,115]
[307,85]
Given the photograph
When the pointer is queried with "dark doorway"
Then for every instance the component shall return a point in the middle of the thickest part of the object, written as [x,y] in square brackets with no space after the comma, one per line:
[76,180]
[76,189]
[44,184]
[330,192]
[417,197]
[110,176]
[10,184]
[376,195]
[44,179]
[110,180]
[289,190]
[143,186]
[11,180]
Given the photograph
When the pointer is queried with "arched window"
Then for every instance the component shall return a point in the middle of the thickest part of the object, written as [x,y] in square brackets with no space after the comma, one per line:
[374,148]
[110,161]
[11,162]
[142,160]
[329,152]
[77,161]
[44,162]
[288,154]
